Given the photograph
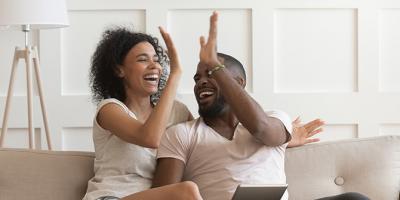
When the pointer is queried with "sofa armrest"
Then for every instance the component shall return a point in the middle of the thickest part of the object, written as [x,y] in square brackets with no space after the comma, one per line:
[370,166]
[32,174]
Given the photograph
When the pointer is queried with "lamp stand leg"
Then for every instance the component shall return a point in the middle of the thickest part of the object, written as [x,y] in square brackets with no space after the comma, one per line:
[28,54]
[9,96]
[28,58]
[43,105]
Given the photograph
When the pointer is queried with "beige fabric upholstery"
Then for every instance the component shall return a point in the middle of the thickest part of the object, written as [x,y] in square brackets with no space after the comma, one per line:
[43,175]
[370,166]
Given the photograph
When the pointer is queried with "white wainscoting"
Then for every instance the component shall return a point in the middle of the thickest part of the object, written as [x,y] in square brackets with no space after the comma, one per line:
[336,60]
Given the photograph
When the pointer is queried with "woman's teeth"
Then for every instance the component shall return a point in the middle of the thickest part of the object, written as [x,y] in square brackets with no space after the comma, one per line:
[151,77]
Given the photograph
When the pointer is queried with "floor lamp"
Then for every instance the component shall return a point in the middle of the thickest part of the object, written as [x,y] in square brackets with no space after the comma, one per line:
[27,15]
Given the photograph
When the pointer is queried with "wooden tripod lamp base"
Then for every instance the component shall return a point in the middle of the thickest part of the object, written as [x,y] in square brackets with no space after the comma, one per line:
[30,55]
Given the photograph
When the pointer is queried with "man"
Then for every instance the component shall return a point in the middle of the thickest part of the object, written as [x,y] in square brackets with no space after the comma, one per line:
[234,141]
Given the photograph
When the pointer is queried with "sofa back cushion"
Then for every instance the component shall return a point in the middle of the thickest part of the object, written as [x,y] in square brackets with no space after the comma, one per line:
[370,166]
[44,175]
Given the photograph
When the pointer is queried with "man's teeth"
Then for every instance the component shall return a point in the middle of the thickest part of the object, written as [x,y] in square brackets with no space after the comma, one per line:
[205,94]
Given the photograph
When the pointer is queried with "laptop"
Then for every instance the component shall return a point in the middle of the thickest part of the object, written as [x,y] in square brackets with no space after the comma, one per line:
[259,192]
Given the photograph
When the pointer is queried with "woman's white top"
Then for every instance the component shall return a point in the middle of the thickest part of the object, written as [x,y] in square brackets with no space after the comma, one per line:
[122,168]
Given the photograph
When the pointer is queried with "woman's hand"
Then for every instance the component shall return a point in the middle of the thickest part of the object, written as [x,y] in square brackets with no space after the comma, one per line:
[175,64]
[208,50]
[302,133]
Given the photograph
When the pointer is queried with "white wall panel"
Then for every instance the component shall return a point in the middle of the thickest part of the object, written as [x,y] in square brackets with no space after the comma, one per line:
[389,50]
[335,60]
[81,38]
[234,39]
[18,138]
[315,50]
[390,129]
[77,139]
[338,132]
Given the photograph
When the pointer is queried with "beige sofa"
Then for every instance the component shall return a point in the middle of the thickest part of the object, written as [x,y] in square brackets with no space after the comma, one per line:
[370,166]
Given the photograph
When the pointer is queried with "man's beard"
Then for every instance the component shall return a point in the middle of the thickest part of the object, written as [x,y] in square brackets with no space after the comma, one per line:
[214,110]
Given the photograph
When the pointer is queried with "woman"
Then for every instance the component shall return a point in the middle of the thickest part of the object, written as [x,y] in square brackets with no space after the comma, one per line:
[125,73]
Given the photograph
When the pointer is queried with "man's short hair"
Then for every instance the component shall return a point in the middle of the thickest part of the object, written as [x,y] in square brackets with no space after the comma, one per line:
[231,62]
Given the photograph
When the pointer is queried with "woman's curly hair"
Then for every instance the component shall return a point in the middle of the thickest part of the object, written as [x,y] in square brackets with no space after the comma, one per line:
[110,53]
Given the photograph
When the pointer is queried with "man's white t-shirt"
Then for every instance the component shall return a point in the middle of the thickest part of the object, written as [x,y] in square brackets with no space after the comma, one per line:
[217,165]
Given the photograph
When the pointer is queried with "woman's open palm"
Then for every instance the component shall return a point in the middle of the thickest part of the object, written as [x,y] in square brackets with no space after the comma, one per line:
[175,64]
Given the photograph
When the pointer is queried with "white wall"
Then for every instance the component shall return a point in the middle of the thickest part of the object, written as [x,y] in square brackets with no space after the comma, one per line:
[337,60]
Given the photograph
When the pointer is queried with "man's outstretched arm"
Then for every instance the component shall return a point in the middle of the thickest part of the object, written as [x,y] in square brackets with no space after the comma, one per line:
[271,131]
[168,171]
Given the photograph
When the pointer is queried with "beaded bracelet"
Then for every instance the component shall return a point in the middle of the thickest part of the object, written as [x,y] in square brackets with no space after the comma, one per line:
[216,68]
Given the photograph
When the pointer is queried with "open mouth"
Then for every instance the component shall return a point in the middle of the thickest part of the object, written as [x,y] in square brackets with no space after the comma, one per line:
[205,95]
[152,78]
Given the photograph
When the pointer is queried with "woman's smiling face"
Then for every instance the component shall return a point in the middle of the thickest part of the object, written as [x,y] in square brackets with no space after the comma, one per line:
[141,69]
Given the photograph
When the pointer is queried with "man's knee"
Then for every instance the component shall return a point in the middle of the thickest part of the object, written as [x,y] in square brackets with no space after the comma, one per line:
[355,196]
[190,190]
[347,196]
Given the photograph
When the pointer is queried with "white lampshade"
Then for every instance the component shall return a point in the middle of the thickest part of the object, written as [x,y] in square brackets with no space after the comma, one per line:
[39,14]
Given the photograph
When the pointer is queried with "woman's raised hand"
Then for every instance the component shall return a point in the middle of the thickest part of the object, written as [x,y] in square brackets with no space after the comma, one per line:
[175,64]
[208,50]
